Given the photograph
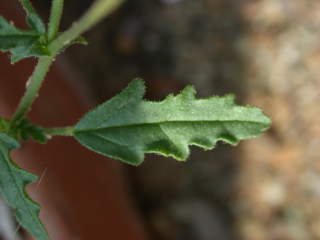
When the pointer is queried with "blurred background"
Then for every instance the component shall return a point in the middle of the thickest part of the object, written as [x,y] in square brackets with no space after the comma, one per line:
[267,52]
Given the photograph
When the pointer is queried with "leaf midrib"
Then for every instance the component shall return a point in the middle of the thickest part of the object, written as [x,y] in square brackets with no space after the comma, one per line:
[165,122]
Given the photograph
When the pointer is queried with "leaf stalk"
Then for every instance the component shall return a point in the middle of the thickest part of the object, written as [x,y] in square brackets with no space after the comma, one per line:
[64,131]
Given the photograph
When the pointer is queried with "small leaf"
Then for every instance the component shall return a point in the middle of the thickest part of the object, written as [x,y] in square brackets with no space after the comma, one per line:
[13,181]
[21,43]
[24,129]
[33,19]
[34,132]
[127,126]
[4,125]
[79,40]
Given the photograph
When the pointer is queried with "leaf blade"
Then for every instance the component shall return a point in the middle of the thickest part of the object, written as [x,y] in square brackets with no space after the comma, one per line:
[21,43]
[4,125]
[126,127]
[33,19]
[13,180]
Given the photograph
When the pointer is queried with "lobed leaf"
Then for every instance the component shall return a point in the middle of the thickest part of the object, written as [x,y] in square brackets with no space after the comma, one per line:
[13,180]
[33,19]
[22,43]
[126,127]
[24,130]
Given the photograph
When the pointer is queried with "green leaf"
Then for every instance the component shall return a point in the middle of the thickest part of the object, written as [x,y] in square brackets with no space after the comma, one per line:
[78,41]
[33,19]
[34,132]
[22,43]
[4,125]
[13,181]
[24,129]
[127,126]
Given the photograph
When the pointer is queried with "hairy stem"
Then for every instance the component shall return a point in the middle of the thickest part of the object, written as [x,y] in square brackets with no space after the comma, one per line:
[99,10]
[33,85]
[55,17]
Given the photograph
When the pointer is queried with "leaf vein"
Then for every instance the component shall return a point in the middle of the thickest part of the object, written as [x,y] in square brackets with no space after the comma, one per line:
[166,122]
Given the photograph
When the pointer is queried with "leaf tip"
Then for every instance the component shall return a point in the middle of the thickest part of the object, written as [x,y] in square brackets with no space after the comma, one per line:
[9,142]
[230,99]
[137,81]
[137,86]
[189,92]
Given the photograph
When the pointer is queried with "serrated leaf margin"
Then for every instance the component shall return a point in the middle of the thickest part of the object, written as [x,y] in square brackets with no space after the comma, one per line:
[13,181]
[99,119]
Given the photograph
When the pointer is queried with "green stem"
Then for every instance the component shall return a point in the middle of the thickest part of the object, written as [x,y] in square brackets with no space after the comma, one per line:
[33,86]
[55,17]
[65,131]
[96,13]
[99,10]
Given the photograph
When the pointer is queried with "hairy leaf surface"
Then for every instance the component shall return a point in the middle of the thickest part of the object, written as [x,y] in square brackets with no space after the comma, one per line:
[21,43]
[126,127]
[13,181]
